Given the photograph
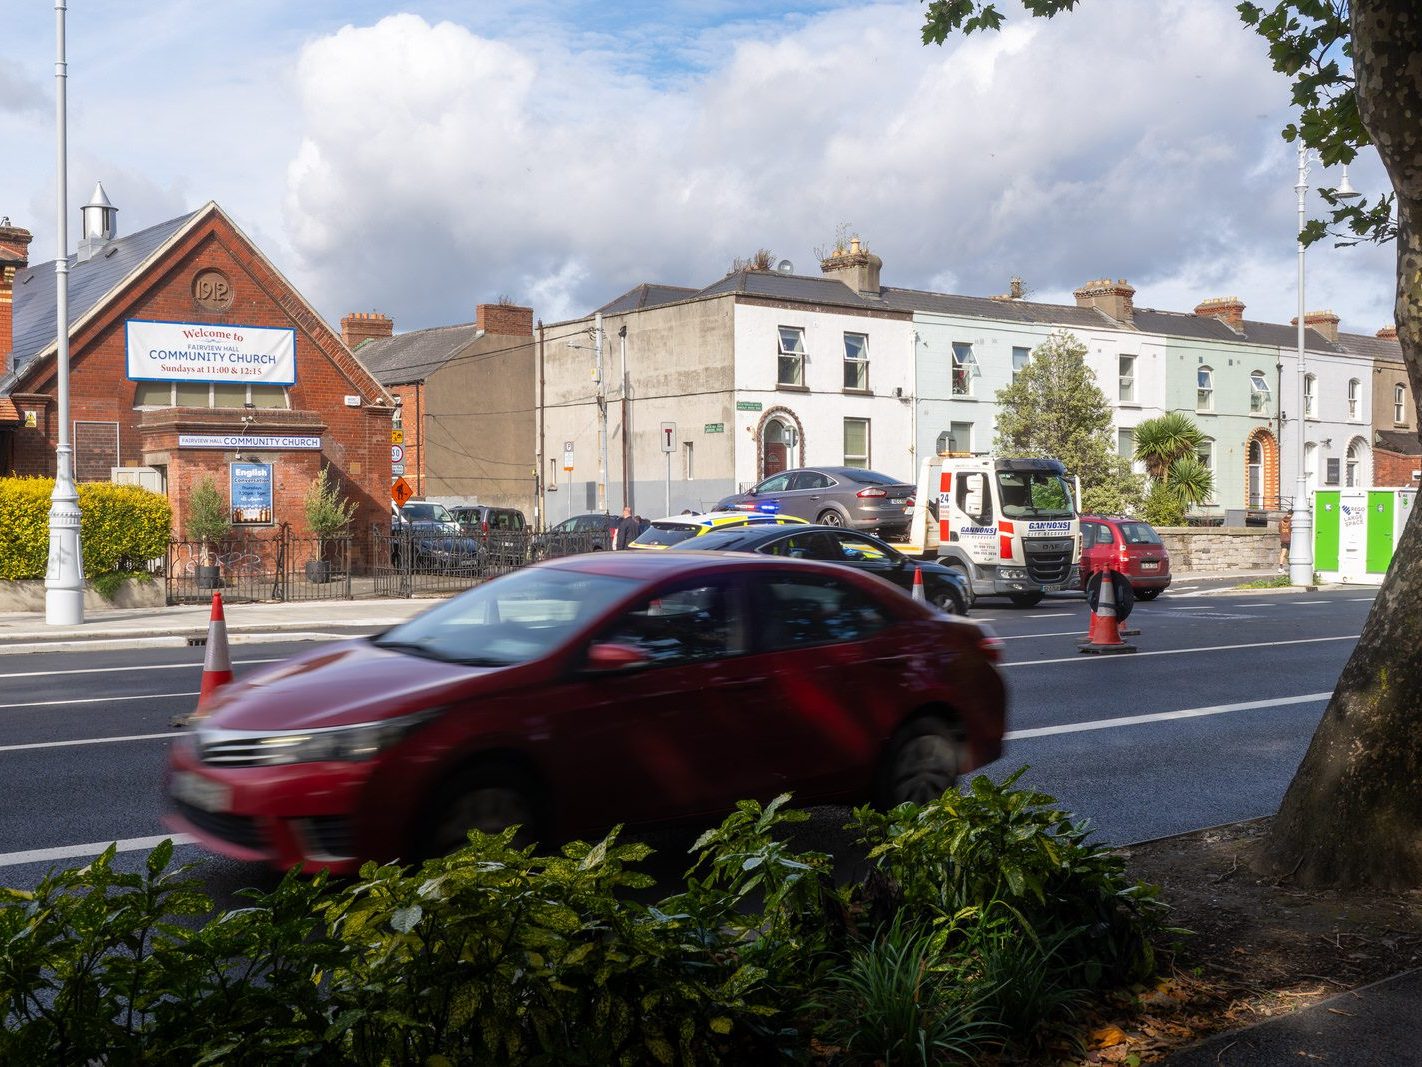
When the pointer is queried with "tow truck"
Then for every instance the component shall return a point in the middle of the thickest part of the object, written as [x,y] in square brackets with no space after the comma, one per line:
[1010,525]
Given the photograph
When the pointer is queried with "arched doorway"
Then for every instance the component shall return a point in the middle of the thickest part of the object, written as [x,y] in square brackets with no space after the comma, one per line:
[1357,466]
[780,442]
[1261,471]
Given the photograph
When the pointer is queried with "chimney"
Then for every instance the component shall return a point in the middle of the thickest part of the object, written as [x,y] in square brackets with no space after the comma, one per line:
[1324,323]
[507,319]
[1388,333]
[1112,298]
[98,223]
[856,267]
[1014,290]
[14,257]
[1228,309]
[361,326]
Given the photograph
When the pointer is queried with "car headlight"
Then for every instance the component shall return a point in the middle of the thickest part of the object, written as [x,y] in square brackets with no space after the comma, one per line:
[348,744]
[1012,574]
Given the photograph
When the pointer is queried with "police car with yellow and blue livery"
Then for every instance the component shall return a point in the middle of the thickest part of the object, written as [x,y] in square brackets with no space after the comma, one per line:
[673,530]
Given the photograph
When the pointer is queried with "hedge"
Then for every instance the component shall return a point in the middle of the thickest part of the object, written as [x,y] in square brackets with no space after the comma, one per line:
[121,527]
[984,922]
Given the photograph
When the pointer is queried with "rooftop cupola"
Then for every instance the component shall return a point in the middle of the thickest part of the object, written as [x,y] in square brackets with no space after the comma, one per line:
[98,223]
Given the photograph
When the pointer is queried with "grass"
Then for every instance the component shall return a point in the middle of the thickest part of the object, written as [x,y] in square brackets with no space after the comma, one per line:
[1277,581]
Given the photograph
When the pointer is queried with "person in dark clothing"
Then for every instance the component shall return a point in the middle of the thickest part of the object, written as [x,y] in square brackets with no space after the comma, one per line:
[627,529]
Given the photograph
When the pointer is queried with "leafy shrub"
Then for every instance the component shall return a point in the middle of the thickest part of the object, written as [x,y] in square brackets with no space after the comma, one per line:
[496,955]
[327,511]
[996,844]
[121,527]
[207,517]
[1163,507]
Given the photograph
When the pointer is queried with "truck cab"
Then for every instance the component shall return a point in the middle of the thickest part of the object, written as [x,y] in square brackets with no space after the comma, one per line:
[1010,525]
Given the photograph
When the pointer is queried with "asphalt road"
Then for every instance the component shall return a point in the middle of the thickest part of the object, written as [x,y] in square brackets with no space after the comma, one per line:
[1204,725]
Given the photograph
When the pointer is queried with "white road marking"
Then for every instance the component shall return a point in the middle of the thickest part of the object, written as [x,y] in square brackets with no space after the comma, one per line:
[1361,599]
[72,852]
[1054,615]
[1180,651]
[87,741]
[1058,633]
[137,667]
[1165,716]
[92,700]
[1311,602]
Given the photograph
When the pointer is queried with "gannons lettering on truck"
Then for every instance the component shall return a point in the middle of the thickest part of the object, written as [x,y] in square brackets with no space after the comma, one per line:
[1062,526]
[981,531]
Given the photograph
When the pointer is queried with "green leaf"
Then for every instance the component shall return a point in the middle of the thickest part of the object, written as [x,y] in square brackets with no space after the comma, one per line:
[405,919]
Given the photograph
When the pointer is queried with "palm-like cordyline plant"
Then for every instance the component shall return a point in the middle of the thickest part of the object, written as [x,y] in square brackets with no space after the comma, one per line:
[1163,440]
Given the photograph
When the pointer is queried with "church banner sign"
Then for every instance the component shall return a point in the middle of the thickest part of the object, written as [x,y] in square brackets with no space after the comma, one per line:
[251,493]
[196,351]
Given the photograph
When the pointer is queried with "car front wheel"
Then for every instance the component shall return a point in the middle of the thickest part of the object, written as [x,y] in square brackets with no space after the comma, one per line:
[1147,594]
[950,601]
[489,799]
[923,763]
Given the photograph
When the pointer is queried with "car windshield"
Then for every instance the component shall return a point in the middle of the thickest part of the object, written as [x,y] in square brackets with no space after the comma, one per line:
[426,512]
[864,477]
[513,619]
[1138,533]
[666,534]
[1034,495]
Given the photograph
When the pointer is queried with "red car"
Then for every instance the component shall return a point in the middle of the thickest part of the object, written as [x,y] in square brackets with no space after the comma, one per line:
[637,687]
[1130,546]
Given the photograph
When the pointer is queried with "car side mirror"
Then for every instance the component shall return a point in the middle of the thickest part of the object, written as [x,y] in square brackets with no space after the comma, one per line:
[605,657]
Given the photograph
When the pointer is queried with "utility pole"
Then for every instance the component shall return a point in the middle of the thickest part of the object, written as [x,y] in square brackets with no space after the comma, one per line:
[601,415]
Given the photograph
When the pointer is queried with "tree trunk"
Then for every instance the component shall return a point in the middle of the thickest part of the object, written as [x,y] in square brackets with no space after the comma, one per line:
[1353,813]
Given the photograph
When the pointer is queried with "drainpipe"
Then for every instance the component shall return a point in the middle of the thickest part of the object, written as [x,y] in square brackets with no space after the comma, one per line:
[626,441]
[541,520]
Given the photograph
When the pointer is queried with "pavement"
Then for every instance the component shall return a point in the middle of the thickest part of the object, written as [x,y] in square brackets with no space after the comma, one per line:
[1377,1024]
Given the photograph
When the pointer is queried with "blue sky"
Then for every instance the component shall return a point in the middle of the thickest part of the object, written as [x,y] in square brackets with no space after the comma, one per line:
[421,158]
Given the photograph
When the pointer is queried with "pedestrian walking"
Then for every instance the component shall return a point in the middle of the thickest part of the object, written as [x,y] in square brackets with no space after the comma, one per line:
[627,529]
[1286,527]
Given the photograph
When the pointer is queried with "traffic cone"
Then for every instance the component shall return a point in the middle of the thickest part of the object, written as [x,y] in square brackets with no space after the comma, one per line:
[217,664]
[918,593]
[1104,636]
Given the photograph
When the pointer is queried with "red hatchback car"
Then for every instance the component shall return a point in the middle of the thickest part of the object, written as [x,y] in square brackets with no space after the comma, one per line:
[636,687]
[1130,546]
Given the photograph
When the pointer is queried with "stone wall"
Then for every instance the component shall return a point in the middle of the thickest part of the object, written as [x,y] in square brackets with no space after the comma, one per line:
[1220,548]
[29,596]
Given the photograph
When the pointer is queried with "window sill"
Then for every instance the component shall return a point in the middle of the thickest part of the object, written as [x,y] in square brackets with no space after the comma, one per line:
[1202,411]
[783,388]
[963,396]
[1260,415]
[1135,404]
[857,392]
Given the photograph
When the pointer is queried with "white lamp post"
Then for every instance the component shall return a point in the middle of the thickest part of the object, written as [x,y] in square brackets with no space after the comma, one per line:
[1301,535]
[64,576]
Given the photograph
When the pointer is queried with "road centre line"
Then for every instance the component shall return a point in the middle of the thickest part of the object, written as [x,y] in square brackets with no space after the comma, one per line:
[91,700]
[1054,615]
[1026,637]
[88,741]
[1361,599]
[72,852]
[135,667]
[1311,602]
[1180,651]
[1164,716]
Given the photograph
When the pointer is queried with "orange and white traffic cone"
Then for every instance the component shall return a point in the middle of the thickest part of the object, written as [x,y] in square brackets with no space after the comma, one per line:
[918,593]
[217,664]
[1104,636]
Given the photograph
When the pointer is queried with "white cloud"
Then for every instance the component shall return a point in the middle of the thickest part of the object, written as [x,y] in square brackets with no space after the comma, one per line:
[560,153]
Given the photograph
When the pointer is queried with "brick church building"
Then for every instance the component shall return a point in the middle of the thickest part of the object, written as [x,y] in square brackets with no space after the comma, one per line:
[191,356]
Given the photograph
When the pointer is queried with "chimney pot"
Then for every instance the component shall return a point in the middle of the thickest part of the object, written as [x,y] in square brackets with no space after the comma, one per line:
[1228,309]
[858,269]
[1388,333]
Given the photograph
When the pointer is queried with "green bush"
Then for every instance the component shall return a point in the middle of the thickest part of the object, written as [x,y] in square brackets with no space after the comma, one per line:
[496,955]
[207,516]
[1163,507]
[121,527]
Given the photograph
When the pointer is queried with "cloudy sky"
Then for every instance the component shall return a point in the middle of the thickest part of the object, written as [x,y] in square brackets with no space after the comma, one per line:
[420,158]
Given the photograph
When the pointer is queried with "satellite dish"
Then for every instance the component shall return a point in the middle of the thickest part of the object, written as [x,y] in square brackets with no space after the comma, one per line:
[785,267]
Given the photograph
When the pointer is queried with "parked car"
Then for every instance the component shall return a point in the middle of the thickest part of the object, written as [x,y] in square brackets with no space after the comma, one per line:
[1129,546]
[590,532]
[944,587]
[673,530]
[427,530]
[832,496]
[567,696]
[502,532]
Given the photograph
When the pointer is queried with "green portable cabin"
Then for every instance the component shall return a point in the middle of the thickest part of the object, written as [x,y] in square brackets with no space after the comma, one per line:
[1356,530]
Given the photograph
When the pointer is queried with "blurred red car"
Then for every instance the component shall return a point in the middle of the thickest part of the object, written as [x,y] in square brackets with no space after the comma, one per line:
[636,687]
[1130,546]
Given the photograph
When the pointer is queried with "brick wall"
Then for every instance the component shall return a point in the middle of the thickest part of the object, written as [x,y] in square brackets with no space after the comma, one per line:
[1395,469]
[355,440]
[504,319]
[14,254]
